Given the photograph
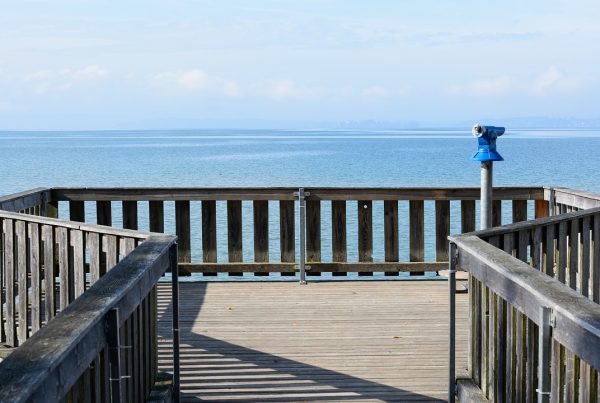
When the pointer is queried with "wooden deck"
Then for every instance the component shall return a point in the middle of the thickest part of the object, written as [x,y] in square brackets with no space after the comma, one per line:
[328,341]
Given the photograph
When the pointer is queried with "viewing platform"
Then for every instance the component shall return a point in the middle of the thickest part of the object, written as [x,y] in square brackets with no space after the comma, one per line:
[299,294]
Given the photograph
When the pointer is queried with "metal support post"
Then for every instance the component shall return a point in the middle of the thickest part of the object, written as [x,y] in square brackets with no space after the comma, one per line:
[544,352]
[175,313]
[114,355]
[487,172]
[302,225]
[452,324]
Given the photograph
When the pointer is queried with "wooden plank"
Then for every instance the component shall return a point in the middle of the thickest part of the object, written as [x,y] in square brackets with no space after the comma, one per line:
[182,230]
[468,392]
[21,265]
[65,277]
[78,270]
[77,210]
[596,264]
[338,231]
[550,251]
[261,230]
[156,214]
[104,213]
[130,214]
[35,267]
[476,352]
[585,258]
[484,338]
[110,249]
[365,230]
[519,210]
[390,231]
[416,231]
[334,267]
[531,362]
[209,231]
[467,216]
[563,252]
[234,231]
[9,282]
[287,231]
[496,213]
[313,230]
[573,253]
[51,209]
[542,208]
[442,230]
[94,248]
[49,283]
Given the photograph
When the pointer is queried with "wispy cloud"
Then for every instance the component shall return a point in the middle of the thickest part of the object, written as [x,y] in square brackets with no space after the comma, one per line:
[499,85]
[44,81]
[196,81]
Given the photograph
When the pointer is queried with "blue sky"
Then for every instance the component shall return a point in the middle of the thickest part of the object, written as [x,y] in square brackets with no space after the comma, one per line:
[105,64]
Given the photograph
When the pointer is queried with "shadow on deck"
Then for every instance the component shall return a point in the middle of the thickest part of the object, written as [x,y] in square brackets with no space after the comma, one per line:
[330,341]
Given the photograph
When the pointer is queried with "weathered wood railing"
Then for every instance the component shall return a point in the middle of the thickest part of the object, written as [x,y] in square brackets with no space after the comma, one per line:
[507,298]
[101,347]
[394,220]
[33,202]
[47,263]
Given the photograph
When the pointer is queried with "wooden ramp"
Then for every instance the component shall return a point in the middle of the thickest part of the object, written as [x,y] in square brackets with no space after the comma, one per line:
[326,341]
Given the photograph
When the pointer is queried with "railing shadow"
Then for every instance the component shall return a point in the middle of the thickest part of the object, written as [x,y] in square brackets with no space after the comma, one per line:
[213,369]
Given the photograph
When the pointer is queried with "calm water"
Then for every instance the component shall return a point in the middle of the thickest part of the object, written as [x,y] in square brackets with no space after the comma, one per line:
[223,158]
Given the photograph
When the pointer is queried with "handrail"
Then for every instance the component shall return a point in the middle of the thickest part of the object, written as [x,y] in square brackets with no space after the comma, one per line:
[573,198]
[576,318]
[25,200]
[47,365]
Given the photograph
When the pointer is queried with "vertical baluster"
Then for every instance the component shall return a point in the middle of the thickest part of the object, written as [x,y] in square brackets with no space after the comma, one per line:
[442,229]
[313,230]
[365,233]
[417,232]
[467,216]
[22,275]
[156,214]
[287,233]
[209,231]
[77,245]
[62,241]
[77,210]
[104,212]
[338,232]
[234,232]
[182,229]
[130,214]
[93,245]
[390,227]
[496,213]
[261,233]
[49,283]
[35,267]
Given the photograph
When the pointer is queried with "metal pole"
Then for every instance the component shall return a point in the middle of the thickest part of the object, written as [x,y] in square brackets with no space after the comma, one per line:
[487,172]
[175,313]
[544,350]
[302,263]
[452,324]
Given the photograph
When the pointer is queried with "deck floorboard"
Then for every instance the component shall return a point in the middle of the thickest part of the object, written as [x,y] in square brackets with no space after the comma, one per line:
[368,341]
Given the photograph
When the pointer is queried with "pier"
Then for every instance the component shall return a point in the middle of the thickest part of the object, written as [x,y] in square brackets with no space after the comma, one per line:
[95,308]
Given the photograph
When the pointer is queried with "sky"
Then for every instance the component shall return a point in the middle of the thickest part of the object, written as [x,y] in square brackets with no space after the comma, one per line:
[99,64]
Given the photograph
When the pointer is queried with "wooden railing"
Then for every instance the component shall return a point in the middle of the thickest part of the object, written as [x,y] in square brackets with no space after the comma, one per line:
[361,230]
[47,263]
[511,353]
[33,202]
[102,346]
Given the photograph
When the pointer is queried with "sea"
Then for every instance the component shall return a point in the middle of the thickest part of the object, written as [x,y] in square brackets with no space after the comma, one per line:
[293,158]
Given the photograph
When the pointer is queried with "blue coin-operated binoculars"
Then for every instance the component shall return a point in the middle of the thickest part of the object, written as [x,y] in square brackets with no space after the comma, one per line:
[486,154]
[486,140]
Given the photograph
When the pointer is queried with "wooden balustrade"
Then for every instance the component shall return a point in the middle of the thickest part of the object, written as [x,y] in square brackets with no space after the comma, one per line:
[398,216]
[46,264]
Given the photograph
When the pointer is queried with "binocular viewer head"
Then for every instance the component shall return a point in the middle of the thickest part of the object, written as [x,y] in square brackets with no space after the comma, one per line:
[486,143]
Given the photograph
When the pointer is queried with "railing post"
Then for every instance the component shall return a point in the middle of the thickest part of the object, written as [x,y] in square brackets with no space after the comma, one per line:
[114,355]
[544,352]
[452,323]
[552,202]
[302,225]
[175,313]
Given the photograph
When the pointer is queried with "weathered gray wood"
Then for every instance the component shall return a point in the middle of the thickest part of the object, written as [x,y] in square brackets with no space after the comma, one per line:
[573,253]
[596,263]
[577,318]
[65,276]
[390,228]
[126,246]
[77,243]
[338,230]
[316,267]
[313,230]
[35,267]
[416,231]
[519,210]
[110,249]
[77,211]
[234,231]
[442,229]
[274,193]
[563,252]
[156,213]
[530,364]
[209,231]
[496,213]
[476,351]
[576,198]
[24,200]
[485,376]
[104,213]
[261,230]
[9,282]
[49,303]
[468,392]
[287,231]
[586,255]
[22,275]
[130,214]
[550,245]
[44,371]
[51,209]
[467,216]
[182,229]
[365,230]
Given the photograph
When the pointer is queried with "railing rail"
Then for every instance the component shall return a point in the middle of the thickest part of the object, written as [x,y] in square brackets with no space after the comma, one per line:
[357,221]
[101,345]
[34,202]
[516,310]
